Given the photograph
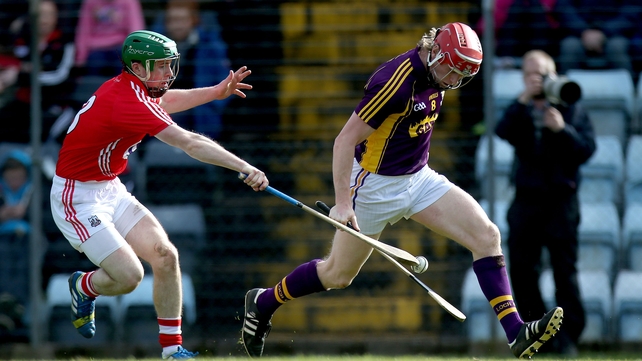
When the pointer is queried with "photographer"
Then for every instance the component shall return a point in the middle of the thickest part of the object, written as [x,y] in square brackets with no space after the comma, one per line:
[552,137]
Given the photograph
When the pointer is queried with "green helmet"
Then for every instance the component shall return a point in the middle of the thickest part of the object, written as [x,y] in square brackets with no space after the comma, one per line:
[147,47]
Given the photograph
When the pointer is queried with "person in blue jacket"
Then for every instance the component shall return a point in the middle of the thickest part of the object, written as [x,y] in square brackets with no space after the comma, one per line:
[203,61]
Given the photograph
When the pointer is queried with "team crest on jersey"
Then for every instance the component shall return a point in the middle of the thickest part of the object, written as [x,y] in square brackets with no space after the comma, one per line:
[94,221]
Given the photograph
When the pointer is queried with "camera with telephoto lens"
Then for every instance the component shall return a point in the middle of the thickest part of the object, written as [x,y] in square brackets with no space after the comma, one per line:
[561,90]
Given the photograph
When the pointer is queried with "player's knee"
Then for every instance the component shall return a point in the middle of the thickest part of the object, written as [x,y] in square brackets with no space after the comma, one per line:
[131,280]
[132,283]
[167,255]
[489,239]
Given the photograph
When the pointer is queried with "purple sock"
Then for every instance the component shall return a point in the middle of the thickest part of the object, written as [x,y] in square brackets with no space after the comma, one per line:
[493,280]
[304,280]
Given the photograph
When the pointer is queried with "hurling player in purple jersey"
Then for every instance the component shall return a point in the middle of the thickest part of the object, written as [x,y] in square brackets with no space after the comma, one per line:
[381,174]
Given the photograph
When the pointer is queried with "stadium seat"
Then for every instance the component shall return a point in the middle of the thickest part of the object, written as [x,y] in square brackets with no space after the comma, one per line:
[595,288]
[627,306]
[603,173]
[608,97]
[185,226]
[507,85]
[138,313]
[58,306]
[599,237]
[633,171]
[503,157]
[632,237]
[480,319]
[168,175]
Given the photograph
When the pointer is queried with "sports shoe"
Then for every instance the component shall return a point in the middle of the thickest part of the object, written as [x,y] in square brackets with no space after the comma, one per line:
[255,328]
[180,354]
[533,334]
[82,308]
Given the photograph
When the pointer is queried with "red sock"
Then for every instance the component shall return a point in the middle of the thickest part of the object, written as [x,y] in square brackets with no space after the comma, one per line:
[86,285]
[170,332]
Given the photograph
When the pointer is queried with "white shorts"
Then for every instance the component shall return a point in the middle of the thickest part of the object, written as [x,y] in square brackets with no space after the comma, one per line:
[95,217]
[379,199]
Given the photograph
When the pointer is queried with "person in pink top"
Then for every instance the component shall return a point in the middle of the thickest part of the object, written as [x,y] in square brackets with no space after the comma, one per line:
[102,27]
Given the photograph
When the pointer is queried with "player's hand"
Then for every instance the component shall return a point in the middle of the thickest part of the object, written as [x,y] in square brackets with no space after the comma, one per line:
[345,214]
[233,83]
[255,178]
[553,119]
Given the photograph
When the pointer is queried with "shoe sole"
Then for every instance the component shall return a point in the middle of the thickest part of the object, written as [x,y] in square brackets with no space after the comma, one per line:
[551,329]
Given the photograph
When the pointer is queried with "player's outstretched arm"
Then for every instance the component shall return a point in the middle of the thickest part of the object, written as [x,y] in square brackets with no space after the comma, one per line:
[177,100]
[206,150]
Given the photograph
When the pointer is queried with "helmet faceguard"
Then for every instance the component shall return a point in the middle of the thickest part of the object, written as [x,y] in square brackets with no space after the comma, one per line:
[459,48]
[152,50]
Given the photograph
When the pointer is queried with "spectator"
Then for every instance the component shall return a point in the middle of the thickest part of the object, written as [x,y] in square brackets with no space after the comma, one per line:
[102,27]
[9,70]
[596,35]
[56,57]
[203,61]
[521,25]
[551,141]
[15,193]
[11,10]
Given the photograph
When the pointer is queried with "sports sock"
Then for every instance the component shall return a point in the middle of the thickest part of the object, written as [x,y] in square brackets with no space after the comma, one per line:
[86,285]
[304,280]
[493,280]
[170,334]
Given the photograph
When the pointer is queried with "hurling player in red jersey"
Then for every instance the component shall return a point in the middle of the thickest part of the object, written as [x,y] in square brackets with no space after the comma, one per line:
[92,207]
[381,174]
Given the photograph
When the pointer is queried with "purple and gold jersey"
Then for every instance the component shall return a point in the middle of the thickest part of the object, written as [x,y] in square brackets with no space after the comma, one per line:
[402,108]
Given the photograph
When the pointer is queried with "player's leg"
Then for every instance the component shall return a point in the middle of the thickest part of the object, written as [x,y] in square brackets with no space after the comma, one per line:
[84,214]
[459,217]
[150,242]
[119,273]
[346,258]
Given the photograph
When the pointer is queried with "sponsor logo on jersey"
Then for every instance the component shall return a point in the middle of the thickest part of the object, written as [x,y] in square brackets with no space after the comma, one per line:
[422,127]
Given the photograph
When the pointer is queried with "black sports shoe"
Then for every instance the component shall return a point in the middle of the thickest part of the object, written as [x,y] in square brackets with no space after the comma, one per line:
[255,328]
[533,334]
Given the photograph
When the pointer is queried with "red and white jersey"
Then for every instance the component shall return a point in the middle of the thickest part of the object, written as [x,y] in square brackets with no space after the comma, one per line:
[108,128]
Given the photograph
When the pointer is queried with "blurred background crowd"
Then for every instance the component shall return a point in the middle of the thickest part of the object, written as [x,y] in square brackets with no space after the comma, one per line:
[309,60]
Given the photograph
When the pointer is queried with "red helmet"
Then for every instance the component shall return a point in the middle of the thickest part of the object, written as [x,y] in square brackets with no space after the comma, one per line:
[460,46]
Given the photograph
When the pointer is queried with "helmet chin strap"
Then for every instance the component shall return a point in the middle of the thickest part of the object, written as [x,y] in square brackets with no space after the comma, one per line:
[154,92]
[431,76]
